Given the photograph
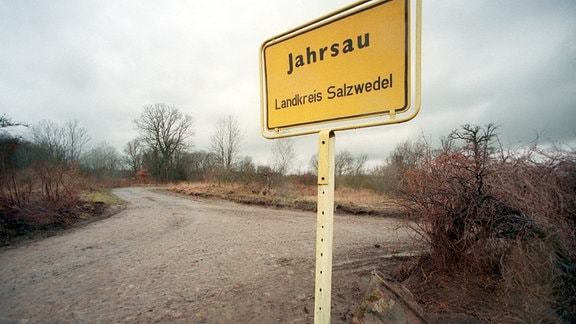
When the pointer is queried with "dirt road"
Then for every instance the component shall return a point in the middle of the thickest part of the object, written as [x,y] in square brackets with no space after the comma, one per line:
[179,259]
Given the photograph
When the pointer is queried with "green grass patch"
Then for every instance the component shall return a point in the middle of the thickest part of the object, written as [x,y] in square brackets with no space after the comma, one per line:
[105,196]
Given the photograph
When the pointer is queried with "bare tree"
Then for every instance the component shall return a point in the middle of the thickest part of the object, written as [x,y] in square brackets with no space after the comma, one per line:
[164,131]
[347,164]
[359,164]
[344,163]
[64,143]
[8,143]
[408,154]
[48,135]
[283,155]
[101,160]
[225,143]
[198,165]
[134,155]
[313,164]
[6,122]
[75,139]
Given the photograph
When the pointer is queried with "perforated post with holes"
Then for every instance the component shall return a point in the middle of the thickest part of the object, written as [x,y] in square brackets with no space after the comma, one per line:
[324,227]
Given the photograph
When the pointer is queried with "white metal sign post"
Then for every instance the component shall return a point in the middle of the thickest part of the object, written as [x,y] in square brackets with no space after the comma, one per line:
[324,226]
[357,67]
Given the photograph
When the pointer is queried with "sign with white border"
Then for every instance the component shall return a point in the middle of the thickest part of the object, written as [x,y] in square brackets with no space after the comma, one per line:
[352,65]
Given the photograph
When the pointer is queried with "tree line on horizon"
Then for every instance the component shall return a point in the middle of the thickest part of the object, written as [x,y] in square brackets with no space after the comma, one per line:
[162,151]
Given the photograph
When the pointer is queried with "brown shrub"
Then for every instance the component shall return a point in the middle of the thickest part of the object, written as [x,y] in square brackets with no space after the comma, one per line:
[44,196]
[482,211]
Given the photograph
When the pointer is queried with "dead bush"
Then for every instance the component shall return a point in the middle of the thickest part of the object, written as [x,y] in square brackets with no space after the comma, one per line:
[60,186]
[485,211]
[43,196]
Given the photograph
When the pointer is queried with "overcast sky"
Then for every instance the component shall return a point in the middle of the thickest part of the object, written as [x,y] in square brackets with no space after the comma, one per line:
[511,63]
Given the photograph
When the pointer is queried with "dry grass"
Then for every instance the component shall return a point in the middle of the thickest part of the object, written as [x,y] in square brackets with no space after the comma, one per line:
[104,196]
[295,196]
[361,196]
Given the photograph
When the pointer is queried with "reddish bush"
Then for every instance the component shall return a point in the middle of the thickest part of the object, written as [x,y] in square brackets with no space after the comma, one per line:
[143,175]
[477,208]
[45,196]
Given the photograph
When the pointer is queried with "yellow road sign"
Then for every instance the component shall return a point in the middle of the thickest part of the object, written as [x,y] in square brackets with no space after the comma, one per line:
[353,64]
[349,67]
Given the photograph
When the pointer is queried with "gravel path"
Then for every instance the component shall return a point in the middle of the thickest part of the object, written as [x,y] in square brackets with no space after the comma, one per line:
[179,259]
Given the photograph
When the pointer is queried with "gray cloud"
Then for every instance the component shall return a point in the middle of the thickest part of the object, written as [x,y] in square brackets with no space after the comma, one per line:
[511,63]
